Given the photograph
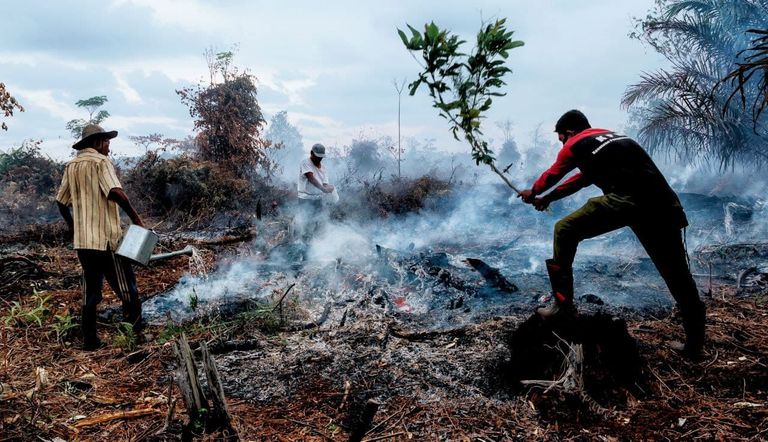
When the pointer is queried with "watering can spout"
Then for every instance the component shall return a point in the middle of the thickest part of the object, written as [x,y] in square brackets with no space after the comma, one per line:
[188,250]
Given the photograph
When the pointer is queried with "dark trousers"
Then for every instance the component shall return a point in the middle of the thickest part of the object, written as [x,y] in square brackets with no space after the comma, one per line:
[98,265]
[662,241]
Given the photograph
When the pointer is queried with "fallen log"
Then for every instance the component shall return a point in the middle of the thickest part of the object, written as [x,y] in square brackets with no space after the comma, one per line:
[226,239]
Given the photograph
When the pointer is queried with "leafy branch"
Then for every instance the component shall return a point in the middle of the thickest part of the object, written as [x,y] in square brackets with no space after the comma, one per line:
[7,105]
[755,63]
[463,85]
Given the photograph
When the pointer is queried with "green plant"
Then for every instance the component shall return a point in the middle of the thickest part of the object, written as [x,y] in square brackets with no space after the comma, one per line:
[193,299]
[198,424]
[126,337]
[265,318]
[63,325]
[20,314]
[169,332]
[463,85]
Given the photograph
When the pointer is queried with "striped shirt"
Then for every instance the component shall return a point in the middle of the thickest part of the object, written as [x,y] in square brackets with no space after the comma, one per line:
[87,180]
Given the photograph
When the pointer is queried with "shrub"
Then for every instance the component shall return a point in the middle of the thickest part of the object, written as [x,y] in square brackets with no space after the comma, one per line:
[182,188]
[396,197]
[28,184]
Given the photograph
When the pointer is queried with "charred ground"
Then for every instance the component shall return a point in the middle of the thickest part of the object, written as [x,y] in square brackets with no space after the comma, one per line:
[440,370]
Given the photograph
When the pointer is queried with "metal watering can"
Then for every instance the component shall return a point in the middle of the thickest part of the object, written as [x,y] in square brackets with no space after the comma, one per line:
[138,243]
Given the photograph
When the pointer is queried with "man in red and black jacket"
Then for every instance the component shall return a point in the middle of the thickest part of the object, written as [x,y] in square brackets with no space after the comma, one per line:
[635,195]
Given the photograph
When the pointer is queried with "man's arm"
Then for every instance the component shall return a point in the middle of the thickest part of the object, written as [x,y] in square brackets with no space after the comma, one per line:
[117,195]
[67,215]
[561,167]
[569,187]
[325,188]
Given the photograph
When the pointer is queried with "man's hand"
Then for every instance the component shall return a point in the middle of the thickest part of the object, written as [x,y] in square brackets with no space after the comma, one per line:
[527,196]
[328,188]
[541,204]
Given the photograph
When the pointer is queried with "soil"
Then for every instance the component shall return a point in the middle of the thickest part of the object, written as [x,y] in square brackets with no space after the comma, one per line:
[312,384]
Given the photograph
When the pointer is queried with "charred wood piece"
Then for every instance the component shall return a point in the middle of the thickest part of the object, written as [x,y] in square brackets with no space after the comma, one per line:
[743,275]
[428,334]
[365,420]
[211,418]
[492,275]
[221,347]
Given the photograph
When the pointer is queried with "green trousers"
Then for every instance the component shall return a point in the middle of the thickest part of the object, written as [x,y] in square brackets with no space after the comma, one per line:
[661,239]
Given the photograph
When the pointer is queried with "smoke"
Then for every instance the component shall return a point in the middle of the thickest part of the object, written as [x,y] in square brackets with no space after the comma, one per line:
[478,220]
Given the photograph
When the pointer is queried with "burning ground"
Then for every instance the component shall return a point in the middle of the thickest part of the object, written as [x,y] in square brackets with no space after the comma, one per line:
[428,314]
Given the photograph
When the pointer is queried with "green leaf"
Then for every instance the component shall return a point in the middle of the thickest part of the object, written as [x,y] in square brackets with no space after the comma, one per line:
[414,31]
[431,31]
[413,86]
[403,37]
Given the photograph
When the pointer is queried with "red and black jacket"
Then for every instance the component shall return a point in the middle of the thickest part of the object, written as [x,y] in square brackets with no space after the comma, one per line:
[616,164]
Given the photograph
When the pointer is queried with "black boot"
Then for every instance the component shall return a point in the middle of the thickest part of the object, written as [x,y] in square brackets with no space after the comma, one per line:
[561,280]
[90,339]
[694,319]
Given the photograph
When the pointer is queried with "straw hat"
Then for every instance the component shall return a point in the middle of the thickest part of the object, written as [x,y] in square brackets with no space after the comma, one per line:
[90,132]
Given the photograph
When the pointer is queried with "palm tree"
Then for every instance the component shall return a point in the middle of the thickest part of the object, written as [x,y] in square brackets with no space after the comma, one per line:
[681,108]
[749,79]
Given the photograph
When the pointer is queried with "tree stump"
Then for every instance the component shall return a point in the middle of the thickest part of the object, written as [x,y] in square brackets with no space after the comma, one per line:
[206,413]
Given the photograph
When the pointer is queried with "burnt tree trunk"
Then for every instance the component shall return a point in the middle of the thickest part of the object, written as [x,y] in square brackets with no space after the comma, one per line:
[204,414]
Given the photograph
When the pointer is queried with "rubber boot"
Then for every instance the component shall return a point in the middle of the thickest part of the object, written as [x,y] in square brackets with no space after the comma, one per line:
[561,280]
[694,319]
[90,339]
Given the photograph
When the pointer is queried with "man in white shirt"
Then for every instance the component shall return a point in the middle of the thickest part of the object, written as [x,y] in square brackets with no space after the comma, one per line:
[312,185]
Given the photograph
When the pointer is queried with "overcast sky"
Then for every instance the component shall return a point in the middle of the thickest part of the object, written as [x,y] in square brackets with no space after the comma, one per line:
[330,65]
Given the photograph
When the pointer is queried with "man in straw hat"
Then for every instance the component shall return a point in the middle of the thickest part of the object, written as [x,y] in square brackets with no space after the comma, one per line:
[90,186]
